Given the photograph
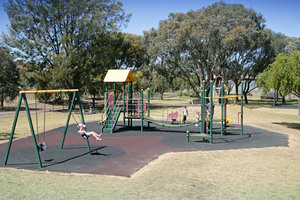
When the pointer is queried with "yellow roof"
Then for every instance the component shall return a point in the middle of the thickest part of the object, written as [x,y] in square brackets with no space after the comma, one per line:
[118,76]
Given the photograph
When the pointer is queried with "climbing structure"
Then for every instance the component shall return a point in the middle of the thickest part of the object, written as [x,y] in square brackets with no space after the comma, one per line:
[116,103]
[207,106]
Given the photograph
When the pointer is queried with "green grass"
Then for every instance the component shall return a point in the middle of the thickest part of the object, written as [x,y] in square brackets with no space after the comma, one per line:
[270,173]
[173,100]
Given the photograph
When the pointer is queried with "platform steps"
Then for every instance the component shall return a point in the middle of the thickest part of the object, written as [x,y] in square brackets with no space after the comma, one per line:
[232,128]
[198,135]
[112,117]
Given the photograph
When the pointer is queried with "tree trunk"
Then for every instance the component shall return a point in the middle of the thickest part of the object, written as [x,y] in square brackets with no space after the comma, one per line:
[298,106]
[245,97]
[161,96]
[70,100]
[93,98]
[2,102]
[236,90]
[283,100]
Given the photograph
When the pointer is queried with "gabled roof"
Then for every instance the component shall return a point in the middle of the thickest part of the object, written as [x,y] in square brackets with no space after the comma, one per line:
[118,76]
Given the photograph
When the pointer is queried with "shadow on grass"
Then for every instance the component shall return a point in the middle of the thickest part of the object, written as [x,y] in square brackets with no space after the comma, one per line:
[4,135]
[254,104]
[289,125]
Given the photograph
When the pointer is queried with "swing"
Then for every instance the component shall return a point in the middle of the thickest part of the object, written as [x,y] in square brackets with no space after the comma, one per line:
[79,125]
[41,146]
[84,135]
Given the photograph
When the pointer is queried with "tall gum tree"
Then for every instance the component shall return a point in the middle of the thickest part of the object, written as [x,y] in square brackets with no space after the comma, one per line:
[9,76]
[220,40]
[55,35]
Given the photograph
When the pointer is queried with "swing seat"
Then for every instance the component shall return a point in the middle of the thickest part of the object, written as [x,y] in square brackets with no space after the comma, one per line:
[42,147]
[85,136]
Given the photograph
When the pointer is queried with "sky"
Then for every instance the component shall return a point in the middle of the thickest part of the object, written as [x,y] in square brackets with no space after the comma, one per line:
[281,16]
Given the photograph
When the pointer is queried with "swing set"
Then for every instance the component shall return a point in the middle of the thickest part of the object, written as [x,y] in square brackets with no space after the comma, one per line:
[42,146]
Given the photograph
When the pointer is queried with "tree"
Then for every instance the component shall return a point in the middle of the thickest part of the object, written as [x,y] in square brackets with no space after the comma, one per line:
[9,76]
[283,74]
[293,43]
[279,43]
[251,53]
[55,36]
[160,84]
[222,39]
[111,50]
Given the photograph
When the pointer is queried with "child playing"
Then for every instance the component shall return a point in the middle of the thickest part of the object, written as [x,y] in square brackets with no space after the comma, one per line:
[208,114]
[197,119]
[184,113]
[85,134]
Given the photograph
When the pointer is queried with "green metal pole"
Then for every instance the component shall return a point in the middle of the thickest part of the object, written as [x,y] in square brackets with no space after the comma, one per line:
[225,110]
[32,131]
[201,113]
[129,104]
[106,97]
[124,103]
[222,109]
[204,111]
[82,118]
[131,91]
[148,106]
[187,136]
[13,129]
[242,110]
[142,110]
[67,123]
[211,109]
[203,108]
[114,94]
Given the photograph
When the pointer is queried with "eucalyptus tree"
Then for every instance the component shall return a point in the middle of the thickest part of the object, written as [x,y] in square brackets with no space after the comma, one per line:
[220,40]
[54,36]
[293,43]
[252,53]
[111,50]
[9,76]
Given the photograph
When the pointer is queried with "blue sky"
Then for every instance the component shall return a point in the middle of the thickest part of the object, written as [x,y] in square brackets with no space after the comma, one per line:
[281,15]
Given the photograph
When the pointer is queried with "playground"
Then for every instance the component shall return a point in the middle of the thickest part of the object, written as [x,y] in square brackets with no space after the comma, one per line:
[134,160]
[134,110]
[127,150]
[249,173]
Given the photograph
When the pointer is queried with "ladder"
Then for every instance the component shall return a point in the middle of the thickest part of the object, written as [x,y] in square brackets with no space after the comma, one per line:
[112,117]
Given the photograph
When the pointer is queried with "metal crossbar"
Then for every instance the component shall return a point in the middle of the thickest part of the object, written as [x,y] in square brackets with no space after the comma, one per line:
[48,91]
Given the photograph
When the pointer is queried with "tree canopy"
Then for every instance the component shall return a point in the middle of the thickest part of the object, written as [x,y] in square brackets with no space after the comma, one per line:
[222,39]
[283,74]
[54,37]
[9,76]
[72,43]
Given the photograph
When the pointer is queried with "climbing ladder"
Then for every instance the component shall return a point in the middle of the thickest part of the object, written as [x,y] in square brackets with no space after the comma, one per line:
[112,117]
[112,113]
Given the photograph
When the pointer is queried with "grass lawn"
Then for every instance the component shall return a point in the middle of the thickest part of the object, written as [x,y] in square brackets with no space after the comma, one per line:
[266,173]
